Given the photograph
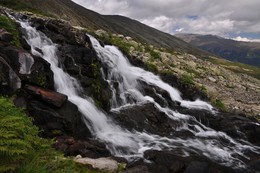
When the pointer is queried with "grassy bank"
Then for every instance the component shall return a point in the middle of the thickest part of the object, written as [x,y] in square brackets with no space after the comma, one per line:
[23,151]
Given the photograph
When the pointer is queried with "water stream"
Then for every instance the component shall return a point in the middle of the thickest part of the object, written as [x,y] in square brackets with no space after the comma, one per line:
[131,144]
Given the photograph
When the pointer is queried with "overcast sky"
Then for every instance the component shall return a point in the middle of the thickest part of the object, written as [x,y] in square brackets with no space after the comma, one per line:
[238,19]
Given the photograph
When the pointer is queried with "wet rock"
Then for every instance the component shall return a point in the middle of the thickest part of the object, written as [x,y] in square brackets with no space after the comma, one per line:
[144,117]
[37,72]
[50,97]
[9,81]
[196,166]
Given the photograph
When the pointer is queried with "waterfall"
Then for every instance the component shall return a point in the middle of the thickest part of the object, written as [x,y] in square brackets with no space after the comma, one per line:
[131,144]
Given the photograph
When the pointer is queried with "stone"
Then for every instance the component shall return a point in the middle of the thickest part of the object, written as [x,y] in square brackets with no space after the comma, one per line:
[5,36]
[106,164]
[48,96]
[212,79]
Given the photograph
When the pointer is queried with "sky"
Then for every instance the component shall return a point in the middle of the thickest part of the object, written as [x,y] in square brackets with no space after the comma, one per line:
[236,19]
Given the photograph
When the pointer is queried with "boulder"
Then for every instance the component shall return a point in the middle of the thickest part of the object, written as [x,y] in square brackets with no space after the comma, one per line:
[106,164]
[66,120]
[9,81]
[5,36]
[30,69]
[48,96]
[144,117]
[85,147]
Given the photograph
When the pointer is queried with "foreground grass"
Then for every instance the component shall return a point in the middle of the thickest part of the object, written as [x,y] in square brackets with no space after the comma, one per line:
[23,151]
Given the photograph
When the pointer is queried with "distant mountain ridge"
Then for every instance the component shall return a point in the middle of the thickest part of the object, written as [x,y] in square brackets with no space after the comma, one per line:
[238,51]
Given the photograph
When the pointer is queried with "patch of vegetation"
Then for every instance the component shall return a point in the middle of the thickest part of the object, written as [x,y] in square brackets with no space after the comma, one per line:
[192,71]
[22,6]
[155,55]
[152,67]
[23,151]
[121,44]
[10,26]
[219,104]
[187,79]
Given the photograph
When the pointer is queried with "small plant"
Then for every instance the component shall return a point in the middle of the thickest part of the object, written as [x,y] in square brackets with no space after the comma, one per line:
[152,67]
[154,55]
[121,44]
[219,104]
[187,79]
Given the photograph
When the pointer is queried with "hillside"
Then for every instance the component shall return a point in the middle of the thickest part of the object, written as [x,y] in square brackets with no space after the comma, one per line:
[79,16]
[237,51]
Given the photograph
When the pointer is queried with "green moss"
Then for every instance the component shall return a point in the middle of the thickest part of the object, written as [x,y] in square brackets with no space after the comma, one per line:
[10,26]
[187,79]
[95,69]
[23,151]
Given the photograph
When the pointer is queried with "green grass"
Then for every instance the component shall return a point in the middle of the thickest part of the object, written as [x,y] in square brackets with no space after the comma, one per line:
[21,5]
[187,79]
[219,104]
[152,67]
[121,44]
[23,151]
[236,67]
[10,26]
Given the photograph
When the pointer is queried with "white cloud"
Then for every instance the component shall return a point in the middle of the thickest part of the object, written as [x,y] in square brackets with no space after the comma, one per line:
[239,38]
[197,16]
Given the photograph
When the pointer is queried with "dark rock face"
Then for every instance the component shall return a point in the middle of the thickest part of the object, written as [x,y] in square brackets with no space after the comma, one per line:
[144,118]
[66,120]
[40,73]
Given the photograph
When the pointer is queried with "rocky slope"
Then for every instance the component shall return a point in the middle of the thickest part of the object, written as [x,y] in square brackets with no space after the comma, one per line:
[32,87]
[76,15]
[238,51]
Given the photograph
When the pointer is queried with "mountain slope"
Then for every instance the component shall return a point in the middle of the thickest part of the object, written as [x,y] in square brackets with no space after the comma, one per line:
[79,16]
[244,52]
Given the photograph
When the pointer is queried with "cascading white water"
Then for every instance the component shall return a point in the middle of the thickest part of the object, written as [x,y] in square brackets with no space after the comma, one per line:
[128,76]
[122,142]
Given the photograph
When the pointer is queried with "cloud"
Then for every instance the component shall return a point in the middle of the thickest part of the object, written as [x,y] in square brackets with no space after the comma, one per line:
[239,38]
[219,17]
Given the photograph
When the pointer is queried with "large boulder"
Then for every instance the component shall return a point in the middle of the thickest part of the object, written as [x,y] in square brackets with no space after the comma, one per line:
[144,117]
[30,69]
[55,121]
[85,147]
